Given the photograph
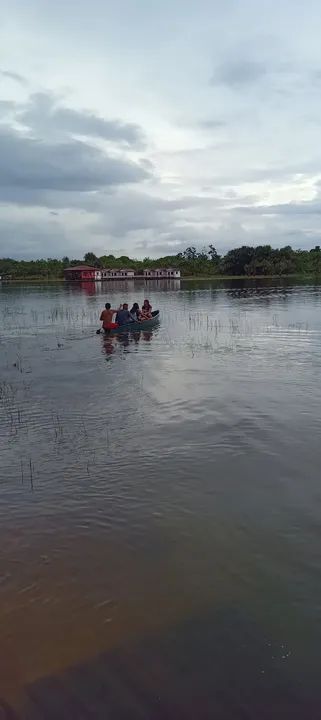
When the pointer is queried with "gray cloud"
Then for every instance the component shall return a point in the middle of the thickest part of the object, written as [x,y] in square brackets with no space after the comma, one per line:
[211,124]
[224,237]
[16,77]
[300,208]
[29,238]
[126,212]
[7,107]
[250,139]
[70,166]
[237,73]
[174,240]
[43,113]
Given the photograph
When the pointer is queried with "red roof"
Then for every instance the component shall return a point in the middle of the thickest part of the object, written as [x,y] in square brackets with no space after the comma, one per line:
[80,267]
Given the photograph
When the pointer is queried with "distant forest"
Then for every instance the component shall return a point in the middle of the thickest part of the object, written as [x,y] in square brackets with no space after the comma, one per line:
[245,260]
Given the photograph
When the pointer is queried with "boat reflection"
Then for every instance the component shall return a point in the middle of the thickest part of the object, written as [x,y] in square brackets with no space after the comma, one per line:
[127,340]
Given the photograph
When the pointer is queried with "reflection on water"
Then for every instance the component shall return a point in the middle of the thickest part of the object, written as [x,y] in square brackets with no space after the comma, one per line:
[125,340]
[110,287]
[160,512]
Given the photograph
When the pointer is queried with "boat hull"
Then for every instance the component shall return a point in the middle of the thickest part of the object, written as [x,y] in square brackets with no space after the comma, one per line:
[135,326]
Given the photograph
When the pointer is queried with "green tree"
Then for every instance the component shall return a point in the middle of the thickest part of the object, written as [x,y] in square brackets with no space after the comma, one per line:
[91,259]
[213,254]
[190,253]
[235,261]
[315,260]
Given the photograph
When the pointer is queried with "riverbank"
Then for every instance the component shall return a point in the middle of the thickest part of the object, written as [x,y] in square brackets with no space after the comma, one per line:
[303,276]
[188,278]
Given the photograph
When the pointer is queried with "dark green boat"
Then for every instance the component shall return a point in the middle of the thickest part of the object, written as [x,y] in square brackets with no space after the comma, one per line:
[134,326]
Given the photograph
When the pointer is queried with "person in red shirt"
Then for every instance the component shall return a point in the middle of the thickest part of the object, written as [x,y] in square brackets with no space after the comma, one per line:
[107,317]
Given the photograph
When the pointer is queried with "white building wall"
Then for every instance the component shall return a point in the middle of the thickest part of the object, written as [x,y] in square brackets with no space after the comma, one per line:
[113,274]
[162,273]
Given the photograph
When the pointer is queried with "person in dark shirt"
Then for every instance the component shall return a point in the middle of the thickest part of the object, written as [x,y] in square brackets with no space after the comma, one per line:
[123,316]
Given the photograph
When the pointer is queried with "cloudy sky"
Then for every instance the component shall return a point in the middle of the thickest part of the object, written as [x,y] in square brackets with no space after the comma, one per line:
[140,127]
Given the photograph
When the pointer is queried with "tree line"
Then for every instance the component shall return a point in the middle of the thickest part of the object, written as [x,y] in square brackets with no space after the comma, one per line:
[262,260]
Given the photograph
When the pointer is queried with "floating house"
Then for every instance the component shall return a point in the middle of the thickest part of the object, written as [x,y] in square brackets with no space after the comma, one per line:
[5,277]
[79,273]
[85,273]
[117,274]
[159,273]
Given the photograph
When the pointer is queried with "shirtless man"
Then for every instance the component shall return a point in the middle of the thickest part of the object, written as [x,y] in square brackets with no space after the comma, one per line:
[107,317]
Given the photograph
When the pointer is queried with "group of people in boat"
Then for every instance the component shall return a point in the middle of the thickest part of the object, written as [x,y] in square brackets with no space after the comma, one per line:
[124,316]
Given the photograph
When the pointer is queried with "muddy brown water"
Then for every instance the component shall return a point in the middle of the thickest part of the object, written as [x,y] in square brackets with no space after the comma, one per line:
[160,503]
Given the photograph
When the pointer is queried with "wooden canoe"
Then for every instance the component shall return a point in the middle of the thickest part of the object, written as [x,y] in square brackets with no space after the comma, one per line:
[135,326]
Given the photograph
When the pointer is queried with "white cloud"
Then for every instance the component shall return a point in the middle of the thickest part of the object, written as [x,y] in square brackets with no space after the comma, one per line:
[149,126]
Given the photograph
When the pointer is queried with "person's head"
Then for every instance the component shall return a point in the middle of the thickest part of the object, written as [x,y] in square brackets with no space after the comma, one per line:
[135,306]
[125,306]
[108,306]
[146,303]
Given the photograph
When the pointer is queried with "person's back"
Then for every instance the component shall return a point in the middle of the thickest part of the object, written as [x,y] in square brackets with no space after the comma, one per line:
[123,316]
[106,317]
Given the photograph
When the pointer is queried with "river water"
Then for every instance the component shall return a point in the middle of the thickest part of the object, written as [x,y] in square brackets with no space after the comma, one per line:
[161,503]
